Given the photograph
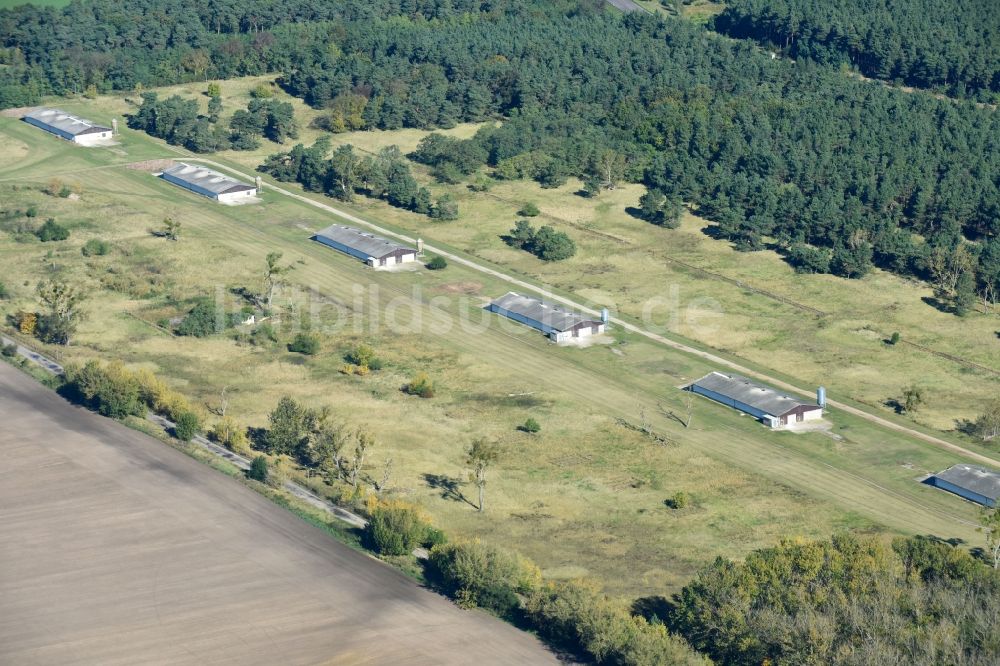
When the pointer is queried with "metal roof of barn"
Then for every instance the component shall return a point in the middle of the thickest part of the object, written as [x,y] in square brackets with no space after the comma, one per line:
[206,179]
[971,477]
[65,122]
[362,241]
[759,396]
[540,311]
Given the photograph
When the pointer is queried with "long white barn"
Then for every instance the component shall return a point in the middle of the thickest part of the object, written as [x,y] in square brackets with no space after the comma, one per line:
[554,321]
[67,126]
[208,183]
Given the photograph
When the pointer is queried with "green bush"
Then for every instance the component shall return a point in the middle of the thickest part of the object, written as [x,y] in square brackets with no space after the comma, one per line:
[926,600]
[531,425]
[304,343]
[587,623]
[395,529]
[545,243]
[421,385]
[437,263]
[679,500]
[10,351]
[263,336]
[262,91]
[95,248]
[258,469]
[52,231]
[202,321]
[529,210]
[434,537]
[894,338]
[364,356]
[109,390]
[186,426]
[4,293]
[477,574]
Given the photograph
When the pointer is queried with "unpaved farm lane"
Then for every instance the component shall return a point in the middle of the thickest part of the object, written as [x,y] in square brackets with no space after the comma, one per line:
[117,549]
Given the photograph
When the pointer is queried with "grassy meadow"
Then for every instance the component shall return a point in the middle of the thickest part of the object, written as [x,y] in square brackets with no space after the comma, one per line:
[768,312]
[585,496]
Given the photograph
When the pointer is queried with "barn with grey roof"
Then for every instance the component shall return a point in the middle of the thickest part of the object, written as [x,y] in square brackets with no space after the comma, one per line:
[369,248]
[208,183]
[67,126]
[974,483]
[773,408]
[554,321]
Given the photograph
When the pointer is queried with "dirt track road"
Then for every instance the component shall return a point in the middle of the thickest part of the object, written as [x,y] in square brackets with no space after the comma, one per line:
[117,549]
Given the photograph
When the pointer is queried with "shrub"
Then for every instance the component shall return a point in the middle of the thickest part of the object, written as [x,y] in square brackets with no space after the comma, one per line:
[203,320]
[159,397]
[531,425]
[421,385]
[228,433]
[364,356]
[545,243]
[894,338]
[213,90]
[10,351]
[262,91]
[109,390]
[434,537]
[678,500]
[396,529]
[437,263]
[258,469]
[263,336]
[477,574]
[95,248]
[304,343]
[52,231]
[445,208]
[186,426]
[586,622]
[529,210]
[278,472]
[4,294]
[31,212]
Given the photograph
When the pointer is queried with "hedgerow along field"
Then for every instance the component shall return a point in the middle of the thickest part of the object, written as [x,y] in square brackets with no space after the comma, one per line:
[583,497]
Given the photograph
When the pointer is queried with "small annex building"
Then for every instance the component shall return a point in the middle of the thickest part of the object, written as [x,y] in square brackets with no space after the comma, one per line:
[770,406]
[557,323]
[69,127]
[974,483]
[208,183]
[369,248]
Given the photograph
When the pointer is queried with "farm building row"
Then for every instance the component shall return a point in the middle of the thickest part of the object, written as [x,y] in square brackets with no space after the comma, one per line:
[67,126]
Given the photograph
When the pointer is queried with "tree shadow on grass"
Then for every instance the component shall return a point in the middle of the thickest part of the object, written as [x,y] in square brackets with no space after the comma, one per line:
[450,487]
[895,405]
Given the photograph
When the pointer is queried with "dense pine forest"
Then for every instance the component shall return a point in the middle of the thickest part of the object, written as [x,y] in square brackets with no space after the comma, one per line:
[838,174]
[952,45]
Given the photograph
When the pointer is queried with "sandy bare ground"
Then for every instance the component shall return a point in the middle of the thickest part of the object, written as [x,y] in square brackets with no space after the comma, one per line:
[117,549]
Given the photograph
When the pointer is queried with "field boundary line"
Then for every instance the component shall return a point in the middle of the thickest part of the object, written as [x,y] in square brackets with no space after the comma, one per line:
[300,492]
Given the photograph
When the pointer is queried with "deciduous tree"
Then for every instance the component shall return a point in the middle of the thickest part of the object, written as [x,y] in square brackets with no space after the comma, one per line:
[480,457]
